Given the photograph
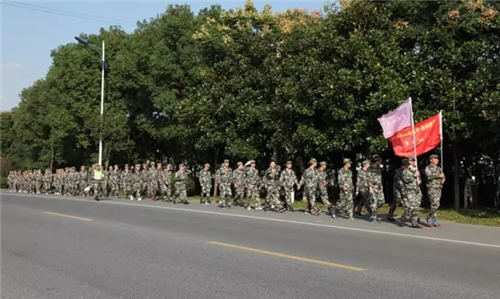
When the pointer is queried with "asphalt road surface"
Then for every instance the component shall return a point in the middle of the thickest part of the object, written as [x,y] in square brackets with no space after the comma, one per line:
[61,247]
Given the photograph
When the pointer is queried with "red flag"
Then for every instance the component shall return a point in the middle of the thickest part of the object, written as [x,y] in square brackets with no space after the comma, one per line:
[427,136]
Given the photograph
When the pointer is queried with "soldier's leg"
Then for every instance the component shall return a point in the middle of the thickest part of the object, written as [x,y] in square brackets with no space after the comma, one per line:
[97,189]
[394,205]
[183,195]
[324,198]
[435,199]
[349,205]
[269,199]
[228,193]
[249,196]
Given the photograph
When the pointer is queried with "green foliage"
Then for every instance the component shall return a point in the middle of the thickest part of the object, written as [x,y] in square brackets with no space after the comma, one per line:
[250,84]
[3,183]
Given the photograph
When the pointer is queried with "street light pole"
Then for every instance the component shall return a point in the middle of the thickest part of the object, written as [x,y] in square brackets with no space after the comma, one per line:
[101,53]
[102,104]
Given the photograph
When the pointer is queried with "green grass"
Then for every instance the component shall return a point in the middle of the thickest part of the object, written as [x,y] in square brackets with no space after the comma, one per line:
[488,217]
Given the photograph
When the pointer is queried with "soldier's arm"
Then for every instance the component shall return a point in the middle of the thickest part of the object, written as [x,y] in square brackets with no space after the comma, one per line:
[431,176]
[358,180]
[408,177]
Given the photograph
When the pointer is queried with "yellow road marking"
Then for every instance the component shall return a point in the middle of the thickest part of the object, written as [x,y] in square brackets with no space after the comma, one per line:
[68,216]
[291,257]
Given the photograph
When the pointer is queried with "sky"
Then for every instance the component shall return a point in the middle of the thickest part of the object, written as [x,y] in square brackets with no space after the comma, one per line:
[31,29]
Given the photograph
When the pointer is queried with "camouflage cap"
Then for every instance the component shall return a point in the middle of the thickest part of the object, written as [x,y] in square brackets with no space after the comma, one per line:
[137,165]
[322,163]
[405,161]
[226,161]
[412,159]
[376,158]
[207,164]
[365,162]
[240,163]
[434,156]
[312,161]
[347,160]
[126,165]
[152,163]
[289,162]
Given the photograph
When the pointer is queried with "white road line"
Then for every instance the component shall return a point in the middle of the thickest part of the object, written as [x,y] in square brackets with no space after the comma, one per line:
[270,219]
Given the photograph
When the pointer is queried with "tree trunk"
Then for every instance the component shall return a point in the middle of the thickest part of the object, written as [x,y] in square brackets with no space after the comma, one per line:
[52,156]
[456,179]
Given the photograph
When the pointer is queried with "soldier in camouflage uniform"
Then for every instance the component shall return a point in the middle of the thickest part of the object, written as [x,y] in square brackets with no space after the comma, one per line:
[252,181]
[310,180]
[47,180]
[83,181]
[362,189]
[38,181]
[152,181]
[32,182]
[376,187]
[125,182]
[10,181]
[346,191]
[206,184]
[272,185]
[412,194]
[224,179]
[322,186]
[114,181]
[181,177]
[288,180]
[166,183]
[65,181]
[239,177]
[137,183]
[398,189]
[435,181]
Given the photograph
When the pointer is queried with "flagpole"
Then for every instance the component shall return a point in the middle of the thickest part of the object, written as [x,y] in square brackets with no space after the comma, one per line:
[441,135]
[413,131]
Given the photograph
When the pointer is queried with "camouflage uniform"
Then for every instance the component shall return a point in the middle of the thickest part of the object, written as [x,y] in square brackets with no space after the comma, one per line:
[137,179]
[114,183]
[10,181]
[362,189]
[322,186]
[206,183]
[125,181]
[434,187]
[165,183]
[83,181]
[398,192]
[271,181]
[310,180]
[239,177]
[412,196]
[38,181]
[375,183]
[180,186]
[346,191]
[288,179]
[252,181]
[57,182]
[224,179]
[31,181]
[152,181]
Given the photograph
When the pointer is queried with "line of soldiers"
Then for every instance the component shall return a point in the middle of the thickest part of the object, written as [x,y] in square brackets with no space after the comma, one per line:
[160,183]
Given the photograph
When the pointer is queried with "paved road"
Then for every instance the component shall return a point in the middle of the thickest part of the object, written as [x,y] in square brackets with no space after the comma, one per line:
[55,247]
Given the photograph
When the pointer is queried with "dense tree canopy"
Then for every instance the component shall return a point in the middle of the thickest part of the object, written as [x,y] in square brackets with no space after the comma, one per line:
[250,84]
